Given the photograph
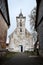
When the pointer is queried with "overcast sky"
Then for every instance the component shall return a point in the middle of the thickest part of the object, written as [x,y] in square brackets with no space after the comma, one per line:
[14,9]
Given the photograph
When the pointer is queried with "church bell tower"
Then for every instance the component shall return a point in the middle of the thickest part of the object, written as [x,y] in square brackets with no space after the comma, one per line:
[21,24]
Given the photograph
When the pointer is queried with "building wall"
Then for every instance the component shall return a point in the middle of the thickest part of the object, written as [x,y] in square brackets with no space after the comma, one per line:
[3,32]
[15,43]
[40,26]
[40,11]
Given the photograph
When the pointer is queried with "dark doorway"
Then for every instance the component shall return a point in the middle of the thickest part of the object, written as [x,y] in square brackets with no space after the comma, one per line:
[21,48]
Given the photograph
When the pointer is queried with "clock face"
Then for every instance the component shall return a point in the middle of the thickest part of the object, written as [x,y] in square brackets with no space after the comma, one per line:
[20,20]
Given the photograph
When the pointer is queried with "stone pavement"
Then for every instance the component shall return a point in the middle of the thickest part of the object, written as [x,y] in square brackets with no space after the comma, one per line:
[22,59]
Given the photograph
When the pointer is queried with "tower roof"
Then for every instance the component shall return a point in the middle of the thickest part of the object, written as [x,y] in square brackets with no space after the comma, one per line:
[21,15]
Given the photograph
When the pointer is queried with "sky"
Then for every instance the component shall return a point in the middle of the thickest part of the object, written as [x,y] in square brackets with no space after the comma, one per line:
[14,10]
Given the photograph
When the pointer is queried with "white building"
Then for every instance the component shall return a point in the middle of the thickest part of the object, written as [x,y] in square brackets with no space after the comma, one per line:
[20,40]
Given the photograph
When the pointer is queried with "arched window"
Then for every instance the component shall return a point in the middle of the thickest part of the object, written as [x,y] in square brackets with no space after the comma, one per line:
[20,29]
[20,24]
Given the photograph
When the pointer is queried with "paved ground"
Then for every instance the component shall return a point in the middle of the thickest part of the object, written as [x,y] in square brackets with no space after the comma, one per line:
[22,59]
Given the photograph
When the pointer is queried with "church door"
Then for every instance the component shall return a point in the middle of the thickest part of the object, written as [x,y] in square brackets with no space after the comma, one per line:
[21,48]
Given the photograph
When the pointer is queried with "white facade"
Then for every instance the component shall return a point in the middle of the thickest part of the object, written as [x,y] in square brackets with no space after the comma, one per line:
[20,40]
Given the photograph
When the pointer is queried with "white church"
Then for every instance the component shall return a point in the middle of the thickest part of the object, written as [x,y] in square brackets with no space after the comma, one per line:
[20,40]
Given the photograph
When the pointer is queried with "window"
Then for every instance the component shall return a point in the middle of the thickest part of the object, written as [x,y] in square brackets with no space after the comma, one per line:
[20,24]
[20,30]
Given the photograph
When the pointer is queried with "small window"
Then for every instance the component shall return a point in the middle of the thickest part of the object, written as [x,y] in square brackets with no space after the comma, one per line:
[20,30]
[20,24]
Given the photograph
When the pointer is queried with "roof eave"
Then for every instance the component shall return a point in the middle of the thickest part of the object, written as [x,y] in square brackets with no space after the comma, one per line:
[8,13]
